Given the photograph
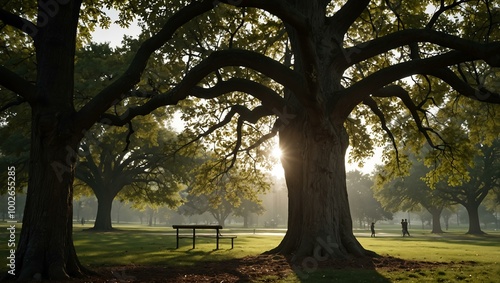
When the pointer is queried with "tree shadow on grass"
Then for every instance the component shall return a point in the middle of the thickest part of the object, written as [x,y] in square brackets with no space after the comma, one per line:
[262,268]
[248,269]
[355,269]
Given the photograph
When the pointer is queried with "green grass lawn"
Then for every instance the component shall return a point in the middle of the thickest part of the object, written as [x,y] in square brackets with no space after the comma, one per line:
[467,258]
[157,246]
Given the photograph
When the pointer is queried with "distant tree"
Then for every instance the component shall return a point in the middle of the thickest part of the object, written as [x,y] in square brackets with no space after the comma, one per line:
[482,176]
[221,210]
[82,205]
[468,131]
[223,195]
[447,213]
[496,196]
[364,206]
[246,208]
[425,217]
[170,216]
[200,204]
[115,164]
[486,216]
[410,192]
[492,203]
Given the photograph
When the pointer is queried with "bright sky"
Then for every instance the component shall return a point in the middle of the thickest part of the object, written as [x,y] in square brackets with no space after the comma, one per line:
[115,34]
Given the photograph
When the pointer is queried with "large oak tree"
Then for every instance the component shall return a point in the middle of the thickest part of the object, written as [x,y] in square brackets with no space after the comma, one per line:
[325,69]
[142,170]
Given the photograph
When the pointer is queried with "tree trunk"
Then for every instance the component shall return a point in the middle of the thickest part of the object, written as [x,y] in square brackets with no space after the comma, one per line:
[319,220]
[245,220]
[220,216]
[46,245]
[446,219]
[118,213]
[104,206]
[78,210]
[474,224]
[314,143]
[436,220]
[150,223]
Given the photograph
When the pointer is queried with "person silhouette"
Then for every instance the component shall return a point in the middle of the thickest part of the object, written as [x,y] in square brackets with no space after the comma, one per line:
[404,227]
[372,227]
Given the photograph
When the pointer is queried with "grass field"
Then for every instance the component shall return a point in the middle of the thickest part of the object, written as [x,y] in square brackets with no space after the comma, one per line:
[454,256]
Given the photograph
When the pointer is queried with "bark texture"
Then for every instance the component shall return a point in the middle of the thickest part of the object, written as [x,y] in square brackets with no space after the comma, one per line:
[46,244]
[319,220]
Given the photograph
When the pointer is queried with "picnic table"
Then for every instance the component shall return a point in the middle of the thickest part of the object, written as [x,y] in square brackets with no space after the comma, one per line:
[217,235]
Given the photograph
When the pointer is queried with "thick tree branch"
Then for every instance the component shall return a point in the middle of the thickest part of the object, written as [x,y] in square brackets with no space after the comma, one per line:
[243,58]
[16,84]
[465,89]
[269,97]
[216,60]
[92,111]
[489,52]
[352,96]
[13,103]
[19,23]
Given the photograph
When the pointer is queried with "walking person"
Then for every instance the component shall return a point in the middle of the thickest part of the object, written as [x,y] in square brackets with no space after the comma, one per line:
[403,227]
[372,227]
[406,228]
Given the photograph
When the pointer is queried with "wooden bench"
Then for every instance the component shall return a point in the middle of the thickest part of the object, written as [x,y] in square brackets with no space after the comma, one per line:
[217,235]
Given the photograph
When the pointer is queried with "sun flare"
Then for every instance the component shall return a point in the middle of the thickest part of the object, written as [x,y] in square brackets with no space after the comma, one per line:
[276,152]
[277,170]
